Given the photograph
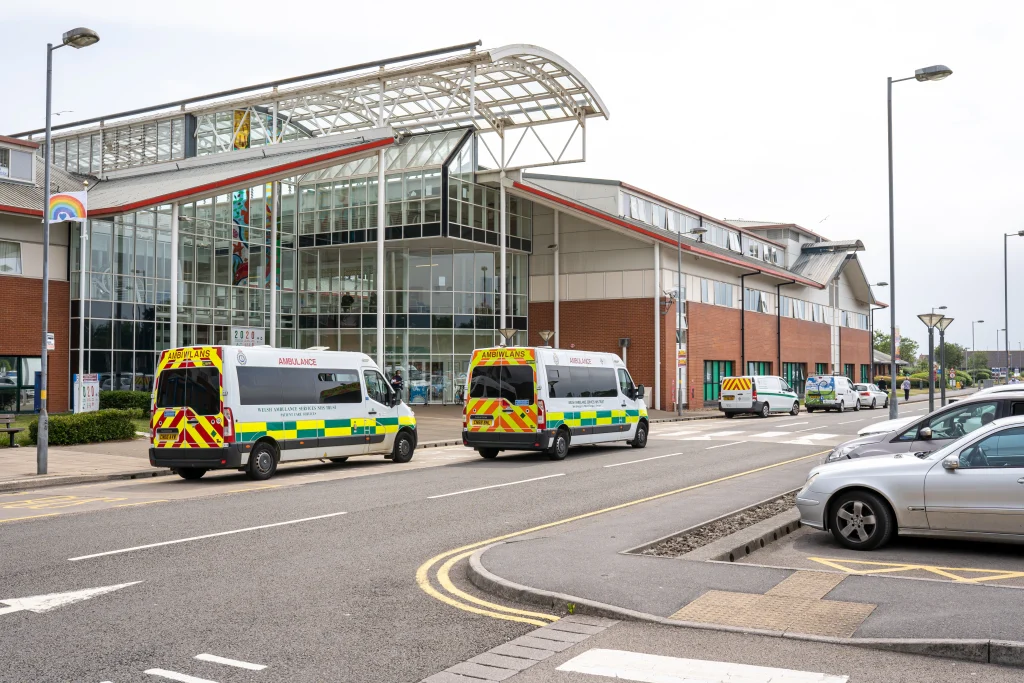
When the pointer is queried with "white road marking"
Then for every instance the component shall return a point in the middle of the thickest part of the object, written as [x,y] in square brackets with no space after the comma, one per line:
[197,538]
[679,433]
[726,433]
[45,603]
[636,666]
[175,676]
[630,462]
[881,417]
[495,486]
[723,445]
[791,424]
[231,662]
[852,421]
[768,435]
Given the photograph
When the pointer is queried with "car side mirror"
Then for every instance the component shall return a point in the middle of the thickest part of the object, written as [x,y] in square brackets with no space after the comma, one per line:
[925,433]
[951,463]
[640,391]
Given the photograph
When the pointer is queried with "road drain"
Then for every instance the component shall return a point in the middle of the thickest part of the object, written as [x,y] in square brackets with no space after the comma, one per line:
[697,537]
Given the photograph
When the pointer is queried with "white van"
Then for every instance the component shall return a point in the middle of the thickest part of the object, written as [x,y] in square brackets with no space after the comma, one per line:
[830,392]
[545,399]
[249,408]
[757,394]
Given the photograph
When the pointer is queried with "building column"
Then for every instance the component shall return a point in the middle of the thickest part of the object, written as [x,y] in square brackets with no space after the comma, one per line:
[558,257]
[657,326]
[504,250]
[275,192]
[82,275]
[380,259]
[174,275]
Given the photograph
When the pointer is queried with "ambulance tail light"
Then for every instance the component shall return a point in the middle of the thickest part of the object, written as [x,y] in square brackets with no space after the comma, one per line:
[229,426]
[542,416]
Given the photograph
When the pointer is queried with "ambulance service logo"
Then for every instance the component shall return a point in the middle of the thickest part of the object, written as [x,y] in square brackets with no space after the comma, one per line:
[241,358]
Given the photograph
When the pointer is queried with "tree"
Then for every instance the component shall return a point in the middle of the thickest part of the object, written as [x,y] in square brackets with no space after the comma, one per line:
[977,360]
[908,347]
[954,355]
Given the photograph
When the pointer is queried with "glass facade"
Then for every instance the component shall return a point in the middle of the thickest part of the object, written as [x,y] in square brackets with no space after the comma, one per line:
[442,290]
[17,383]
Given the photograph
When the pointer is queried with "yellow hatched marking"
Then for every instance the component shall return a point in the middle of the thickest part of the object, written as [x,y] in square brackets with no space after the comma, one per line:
[974,575]
[54,502]
[146,502]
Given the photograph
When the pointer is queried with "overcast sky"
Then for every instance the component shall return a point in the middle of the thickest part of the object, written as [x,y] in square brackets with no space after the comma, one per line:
[764,111]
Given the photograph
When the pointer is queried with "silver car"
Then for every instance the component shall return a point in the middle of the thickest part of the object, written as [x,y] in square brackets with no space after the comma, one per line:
[935,430]
[972,488]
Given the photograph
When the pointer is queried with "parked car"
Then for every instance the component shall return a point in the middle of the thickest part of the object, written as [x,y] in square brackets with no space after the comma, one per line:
[871,396]
[971,488]
[935,430]
[757,394]
[830,392]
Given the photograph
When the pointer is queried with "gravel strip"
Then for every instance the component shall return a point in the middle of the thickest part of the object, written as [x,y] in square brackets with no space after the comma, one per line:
[691,540]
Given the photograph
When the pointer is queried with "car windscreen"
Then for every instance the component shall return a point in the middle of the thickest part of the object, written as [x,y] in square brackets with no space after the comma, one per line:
[195,388]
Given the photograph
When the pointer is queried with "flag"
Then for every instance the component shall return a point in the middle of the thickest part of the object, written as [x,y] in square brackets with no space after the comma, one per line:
[68,206]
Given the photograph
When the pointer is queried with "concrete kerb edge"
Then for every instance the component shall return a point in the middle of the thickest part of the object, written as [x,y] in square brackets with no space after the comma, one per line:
[23,484]
[1006,653]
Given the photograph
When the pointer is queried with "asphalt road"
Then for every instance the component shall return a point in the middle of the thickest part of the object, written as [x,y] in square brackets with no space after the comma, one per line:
[331,596]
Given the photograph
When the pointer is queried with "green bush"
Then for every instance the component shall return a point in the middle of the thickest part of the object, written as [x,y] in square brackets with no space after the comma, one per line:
[122,400]
[103,425]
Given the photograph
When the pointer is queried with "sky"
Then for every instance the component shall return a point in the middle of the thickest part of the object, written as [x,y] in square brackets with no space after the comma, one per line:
[753,110]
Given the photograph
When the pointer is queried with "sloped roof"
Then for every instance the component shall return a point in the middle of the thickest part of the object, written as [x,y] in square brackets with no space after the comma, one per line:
[819,266]
[222,173]
[838,245]
[26,199]
[880,358]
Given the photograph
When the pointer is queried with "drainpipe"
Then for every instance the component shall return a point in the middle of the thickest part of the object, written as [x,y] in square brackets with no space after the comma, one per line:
[778,320]
[743,322]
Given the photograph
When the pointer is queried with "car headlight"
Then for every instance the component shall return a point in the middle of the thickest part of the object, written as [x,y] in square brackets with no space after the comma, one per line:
[807,484]
[840,452]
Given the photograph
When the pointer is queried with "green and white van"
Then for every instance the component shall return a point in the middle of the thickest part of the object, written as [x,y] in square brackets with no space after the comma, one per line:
[758,394]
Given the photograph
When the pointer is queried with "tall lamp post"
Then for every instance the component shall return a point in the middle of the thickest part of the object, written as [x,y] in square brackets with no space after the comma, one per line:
[929,73]
[973,323]
[76,38]
[1006,298]
[872,342]
[698,231]
[931,320]
[942,325]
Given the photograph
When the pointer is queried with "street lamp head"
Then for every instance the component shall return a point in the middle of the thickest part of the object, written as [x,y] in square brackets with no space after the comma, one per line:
[943,323]
[881,284]
[700,230]
[940,308]
[933,73]
[930,319]
[1020,233]
[979,321]
[81,37]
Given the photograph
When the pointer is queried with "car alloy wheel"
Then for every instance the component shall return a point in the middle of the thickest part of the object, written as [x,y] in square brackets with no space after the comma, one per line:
[857,521]
[861,520]
[874,403]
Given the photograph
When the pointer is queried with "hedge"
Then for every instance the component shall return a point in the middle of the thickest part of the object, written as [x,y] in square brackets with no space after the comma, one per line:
[103,425]
[125,399]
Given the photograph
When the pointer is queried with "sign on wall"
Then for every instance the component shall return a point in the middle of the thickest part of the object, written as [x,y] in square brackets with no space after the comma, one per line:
[248,336]
[87,393]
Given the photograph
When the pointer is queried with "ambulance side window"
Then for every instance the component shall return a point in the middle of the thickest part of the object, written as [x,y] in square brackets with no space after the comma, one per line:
[602,382]
[559,383]
[581,382]
[376,388]
[625,383]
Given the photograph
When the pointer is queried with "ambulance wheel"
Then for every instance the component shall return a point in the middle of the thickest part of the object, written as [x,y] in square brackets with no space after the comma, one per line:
[338,461]
[730,414]
[640,440]
[403,449]
[190,473]
[810,410]
[796,409]
[765,410]
[560,446]
[489,453]
[262,462]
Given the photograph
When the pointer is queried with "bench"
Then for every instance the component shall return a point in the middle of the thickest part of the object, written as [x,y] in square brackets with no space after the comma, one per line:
[5,427]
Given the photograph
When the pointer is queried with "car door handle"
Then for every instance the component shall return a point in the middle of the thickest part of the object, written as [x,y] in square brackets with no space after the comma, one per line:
[1021,480]
[371,412]
[193,421]
[623,404]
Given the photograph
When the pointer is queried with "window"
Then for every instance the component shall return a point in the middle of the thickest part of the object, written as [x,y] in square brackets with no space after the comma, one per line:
[865,373]
[625,382]
[714,371]
[723,294]
[10,258]
[848,370]
[955,422]
[705,291]
[602,381]
[513,383]
[821,368]
[754,249]
[377,387]
[485,382]
[17,383]
[756,300]
[195,388]
[757,367]
[1003,449]
[734,242]
[272,386]
[796,376]
[340,386]
[15,164]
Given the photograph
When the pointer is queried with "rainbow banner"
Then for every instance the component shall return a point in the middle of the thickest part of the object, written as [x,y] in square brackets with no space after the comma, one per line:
[68,206]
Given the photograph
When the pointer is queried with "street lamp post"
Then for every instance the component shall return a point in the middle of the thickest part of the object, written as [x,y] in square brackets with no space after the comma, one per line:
[1006,297]
[930,73]
[931,320]
[942,325]
[76,38]
[698,231]
[973,322]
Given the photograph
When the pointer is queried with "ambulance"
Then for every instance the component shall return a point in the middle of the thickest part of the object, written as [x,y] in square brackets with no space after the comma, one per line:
[757,394]
[545,399]
[251,408]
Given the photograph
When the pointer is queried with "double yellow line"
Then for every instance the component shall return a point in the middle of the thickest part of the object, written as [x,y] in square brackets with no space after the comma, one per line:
[451,595]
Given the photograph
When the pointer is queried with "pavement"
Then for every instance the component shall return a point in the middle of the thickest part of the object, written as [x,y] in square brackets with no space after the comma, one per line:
[358,572]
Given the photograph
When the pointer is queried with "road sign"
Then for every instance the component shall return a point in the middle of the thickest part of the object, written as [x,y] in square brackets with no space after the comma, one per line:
[681,358]
[248,336]
[45,603]
[51,344]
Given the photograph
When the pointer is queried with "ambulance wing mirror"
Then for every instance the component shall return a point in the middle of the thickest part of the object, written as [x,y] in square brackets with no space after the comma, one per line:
[640,391]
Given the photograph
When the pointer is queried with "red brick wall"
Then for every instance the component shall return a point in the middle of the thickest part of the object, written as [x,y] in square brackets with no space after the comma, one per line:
[806,342]
[854,347]
[713,334]
[21,301]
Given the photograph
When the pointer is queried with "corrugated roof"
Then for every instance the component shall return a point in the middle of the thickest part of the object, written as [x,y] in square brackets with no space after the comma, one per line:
[839,245]
[129,193]
[27,199]
[819,266]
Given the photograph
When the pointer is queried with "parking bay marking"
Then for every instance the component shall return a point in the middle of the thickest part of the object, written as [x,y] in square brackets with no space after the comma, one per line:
[896,567]
[495,486]
[197,538]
